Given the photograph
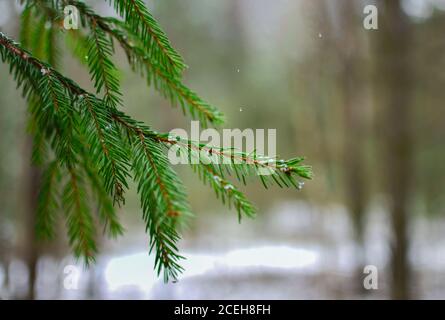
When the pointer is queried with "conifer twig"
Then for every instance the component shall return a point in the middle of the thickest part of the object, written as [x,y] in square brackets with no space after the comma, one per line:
[90,149]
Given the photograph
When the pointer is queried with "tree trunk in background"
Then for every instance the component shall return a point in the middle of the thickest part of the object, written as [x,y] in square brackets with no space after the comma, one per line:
[5,241]
[351,87]
[31,254]
[311,78]
[394,83]
[8,124]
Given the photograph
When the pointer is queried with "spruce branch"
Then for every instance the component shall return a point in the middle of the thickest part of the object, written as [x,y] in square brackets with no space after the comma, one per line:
[156,43]
[225,190]
[106,147]
[55,116]
[168,84]
[220,162]
[243,164]
[81,230]
[88,146]
[48,201]
[102,69]
[105,206]
[163,202]
[162,217]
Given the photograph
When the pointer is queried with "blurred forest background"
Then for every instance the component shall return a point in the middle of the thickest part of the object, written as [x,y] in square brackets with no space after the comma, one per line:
[364,106]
